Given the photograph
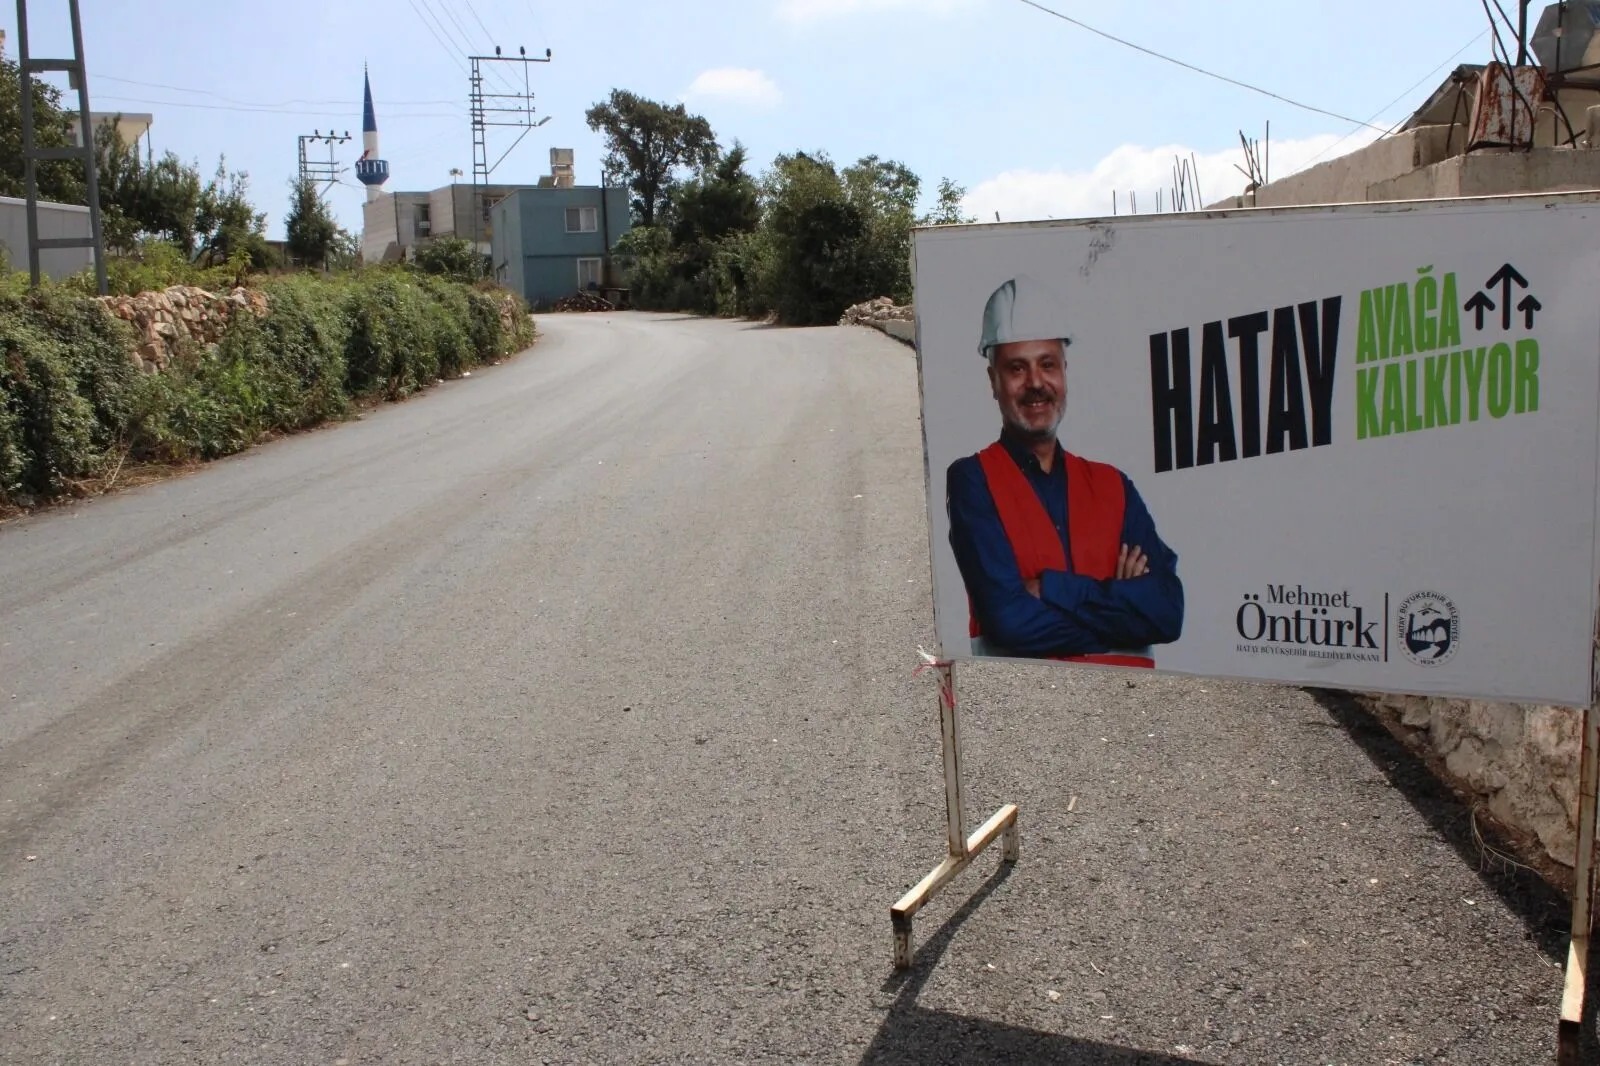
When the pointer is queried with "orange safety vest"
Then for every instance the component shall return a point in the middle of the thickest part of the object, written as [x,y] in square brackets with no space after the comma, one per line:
[1095,508]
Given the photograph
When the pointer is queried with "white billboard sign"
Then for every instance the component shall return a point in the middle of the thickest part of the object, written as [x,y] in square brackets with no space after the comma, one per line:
[1352,447]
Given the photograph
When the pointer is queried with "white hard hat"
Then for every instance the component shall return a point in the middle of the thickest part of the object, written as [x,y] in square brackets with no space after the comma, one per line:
[1023,309]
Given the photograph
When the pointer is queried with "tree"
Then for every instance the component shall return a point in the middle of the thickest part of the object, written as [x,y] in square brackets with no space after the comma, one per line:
[59,180]
[722,200]
[312,233]
[882,186]
[228,225]
[816,239]
[140,199]
[346,251]
[947,211]
[648,143]
[885,192]
[452,257]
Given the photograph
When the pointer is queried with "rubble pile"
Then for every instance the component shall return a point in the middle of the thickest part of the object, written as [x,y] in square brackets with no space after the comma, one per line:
[883,309]
[584,301]
[164,320]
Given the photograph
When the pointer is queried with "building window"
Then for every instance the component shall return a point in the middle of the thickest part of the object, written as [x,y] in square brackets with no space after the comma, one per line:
[582,220]
[588,274]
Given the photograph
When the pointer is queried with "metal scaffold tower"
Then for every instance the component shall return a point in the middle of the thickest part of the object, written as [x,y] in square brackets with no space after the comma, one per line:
[33,154]
[497,109]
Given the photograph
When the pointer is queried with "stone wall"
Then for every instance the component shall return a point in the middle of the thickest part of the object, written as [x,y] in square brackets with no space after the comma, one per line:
[166,320]
[1520,761]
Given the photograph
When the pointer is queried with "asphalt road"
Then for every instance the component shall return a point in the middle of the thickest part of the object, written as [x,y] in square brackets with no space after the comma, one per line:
[565,714]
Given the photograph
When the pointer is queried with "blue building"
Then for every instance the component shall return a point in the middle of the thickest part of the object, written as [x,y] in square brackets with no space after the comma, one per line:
[555,239]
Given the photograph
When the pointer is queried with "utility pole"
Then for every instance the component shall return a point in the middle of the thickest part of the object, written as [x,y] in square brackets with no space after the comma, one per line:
[496,109]
[1522,32]
[33,154]
[315,170]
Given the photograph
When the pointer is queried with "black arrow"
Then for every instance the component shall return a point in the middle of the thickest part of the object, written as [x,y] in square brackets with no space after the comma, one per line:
[1530,303]
[1479,303]
[1504,278]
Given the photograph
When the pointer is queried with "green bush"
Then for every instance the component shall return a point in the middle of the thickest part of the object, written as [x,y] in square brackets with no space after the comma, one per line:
[71,396]
[97,348]
[156,265]
[391,340]
[302,342]
[47,434]
[66,391]
[193,410]
[485,332]
[451,257]
[451,324]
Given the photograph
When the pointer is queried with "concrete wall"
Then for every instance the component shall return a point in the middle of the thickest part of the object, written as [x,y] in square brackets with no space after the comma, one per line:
[379,235]
[55,220]
[410,208]
[507,258]
[1426,164]
[457,212]
[531,225]
[1496,173]
[389,226]
[1349,178]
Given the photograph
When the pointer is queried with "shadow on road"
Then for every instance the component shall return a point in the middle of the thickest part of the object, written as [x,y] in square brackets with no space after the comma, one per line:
[1543,909]
[1545,912]
[915,1036]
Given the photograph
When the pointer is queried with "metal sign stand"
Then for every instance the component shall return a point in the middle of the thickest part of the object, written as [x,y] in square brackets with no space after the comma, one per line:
[1569,1041]
[963,849]
[1002,825]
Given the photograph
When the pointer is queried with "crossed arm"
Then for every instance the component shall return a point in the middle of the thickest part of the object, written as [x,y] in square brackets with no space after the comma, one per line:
[1061,613]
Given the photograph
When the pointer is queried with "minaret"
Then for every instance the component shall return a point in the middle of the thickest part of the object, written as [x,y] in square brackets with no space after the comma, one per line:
[370,170]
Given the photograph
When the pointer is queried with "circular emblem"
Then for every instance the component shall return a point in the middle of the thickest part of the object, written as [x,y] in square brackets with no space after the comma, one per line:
[1427,628]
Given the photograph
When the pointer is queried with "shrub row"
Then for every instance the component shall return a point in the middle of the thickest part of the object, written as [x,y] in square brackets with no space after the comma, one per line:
[73,403]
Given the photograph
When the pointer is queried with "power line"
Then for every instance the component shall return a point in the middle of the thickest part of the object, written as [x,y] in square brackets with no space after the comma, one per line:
[1407,92]
[250,110]
[533,14]
[466,37]
[281,103]
[1499,45]
[1198,70]
[449,12]
[1432,73]
[486,32]
[450,42]
[1510,27]
[449,49]
[464,44]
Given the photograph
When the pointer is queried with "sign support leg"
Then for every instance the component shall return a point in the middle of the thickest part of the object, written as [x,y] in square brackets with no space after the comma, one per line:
[961,848]
[1570,1039]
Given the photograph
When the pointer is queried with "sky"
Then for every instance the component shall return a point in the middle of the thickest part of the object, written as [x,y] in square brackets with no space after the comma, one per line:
[1034,116]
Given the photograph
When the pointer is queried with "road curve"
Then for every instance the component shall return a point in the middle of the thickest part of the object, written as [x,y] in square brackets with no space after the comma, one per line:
[565,714]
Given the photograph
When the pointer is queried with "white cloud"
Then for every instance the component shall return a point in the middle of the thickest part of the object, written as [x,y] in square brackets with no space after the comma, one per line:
[736,85]
[818,10]
[1021,195]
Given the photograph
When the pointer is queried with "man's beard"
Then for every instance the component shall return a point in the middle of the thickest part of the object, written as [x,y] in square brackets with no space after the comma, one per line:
[1013,419]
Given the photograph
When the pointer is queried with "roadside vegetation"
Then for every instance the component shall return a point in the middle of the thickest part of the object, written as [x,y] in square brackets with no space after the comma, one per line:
[75,407]
[78,410]
[798,243]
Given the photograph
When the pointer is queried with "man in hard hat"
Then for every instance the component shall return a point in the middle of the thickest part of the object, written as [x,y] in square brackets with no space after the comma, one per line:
[1059,554]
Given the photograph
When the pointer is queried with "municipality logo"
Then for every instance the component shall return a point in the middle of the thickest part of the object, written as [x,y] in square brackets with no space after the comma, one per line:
[1428,628]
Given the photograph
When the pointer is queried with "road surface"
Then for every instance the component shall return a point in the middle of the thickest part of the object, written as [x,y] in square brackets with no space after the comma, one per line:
[566,714]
